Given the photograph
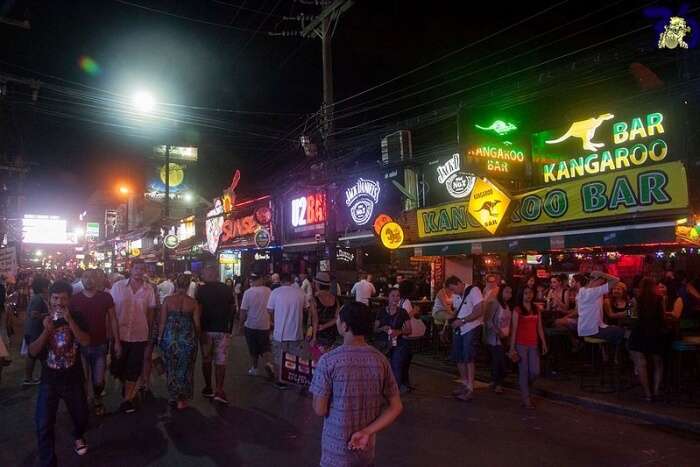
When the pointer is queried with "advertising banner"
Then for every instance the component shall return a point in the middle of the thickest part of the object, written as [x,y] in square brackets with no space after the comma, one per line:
[297,370]
[248,220]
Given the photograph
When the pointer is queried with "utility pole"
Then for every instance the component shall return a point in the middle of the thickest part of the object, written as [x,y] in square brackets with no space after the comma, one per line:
[323,27]
[166,220]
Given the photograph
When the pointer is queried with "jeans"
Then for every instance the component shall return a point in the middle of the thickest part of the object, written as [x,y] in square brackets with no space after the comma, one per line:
[528,368]
[95,359]
[73,395]
[498,364]
[400,360]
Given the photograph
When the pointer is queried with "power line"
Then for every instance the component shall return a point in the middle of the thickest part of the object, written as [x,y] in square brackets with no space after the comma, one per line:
[242,7]
[186,18]
[239,53]
[454,52]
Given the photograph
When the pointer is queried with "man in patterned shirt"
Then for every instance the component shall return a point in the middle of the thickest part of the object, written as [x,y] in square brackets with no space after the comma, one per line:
[351,386]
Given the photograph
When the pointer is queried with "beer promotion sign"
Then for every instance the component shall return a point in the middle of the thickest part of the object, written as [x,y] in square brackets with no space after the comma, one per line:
[633,191]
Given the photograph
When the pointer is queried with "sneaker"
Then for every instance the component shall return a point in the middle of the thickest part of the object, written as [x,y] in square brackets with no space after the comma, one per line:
[220,397]
[466,396]
[253,372]
[128,407]
[270,371]
[208,393]
[460,390]
[281,386]
[80,447]
[30,382]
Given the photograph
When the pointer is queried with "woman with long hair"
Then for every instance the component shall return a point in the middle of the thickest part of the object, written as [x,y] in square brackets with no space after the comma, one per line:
[647,338]
[673,304]
[327,309]
[497,320]
[617,303]
[526,328]
[180,328]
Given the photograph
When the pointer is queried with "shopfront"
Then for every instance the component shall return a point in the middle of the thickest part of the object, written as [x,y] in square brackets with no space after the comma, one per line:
[609,195]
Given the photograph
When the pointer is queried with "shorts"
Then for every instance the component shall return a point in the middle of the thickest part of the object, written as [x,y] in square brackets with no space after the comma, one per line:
[465,346]
[258,341]
[298,348]
[131,361]
[215,347]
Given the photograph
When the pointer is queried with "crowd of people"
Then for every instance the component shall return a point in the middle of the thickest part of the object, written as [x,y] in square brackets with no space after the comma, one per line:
[82,326]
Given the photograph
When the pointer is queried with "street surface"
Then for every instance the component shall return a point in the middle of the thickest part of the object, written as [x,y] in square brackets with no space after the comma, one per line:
[266,427]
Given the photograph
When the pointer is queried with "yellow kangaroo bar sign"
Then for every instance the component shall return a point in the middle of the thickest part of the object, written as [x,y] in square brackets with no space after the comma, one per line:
[608,147]
[488,204]
[633,191]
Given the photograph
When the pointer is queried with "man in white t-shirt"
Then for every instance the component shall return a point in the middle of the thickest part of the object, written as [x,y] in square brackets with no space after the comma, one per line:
[363,289]
[286,307]
[589,303]
[470,317]
[255,321]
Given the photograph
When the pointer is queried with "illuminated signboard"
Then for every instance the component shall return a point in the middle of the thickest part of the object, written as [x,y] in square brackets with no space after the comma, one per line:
[92,230]
[603,143]
[215,226]
[177,153]
[500,158]
[458,184]
[361,198]
[633,191]
[488,204]
[391,235]
[251,226]
[496,146]
[308,210]
[45,230]
[185,229]
[499,127]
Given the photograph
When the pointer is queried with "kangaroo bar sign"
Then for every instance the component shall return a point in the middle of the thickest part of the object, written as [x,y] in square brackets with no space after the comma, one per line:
[603,143]
[633,191]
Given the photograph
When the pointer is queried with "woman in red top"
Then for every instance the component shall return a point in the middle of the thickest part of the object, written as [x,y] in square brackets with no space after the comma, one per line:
[527,327]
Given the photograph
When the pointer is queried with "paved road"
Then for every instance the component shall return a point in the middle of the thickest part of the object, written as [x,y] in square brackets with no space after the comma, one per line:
[265,427]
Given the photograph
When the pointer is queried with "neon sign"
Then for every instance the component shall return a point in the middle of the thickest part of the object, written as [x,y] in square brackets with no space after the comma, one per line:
[499,157]
[635,153]
[458,184]
[361,198]
[215,226]
[499,127]
[308,210]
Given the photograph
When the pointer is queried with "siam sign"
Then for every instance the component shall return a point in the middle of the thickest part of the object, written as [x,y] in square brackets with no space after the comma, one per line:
[361,198]
[308,210]
[601,144]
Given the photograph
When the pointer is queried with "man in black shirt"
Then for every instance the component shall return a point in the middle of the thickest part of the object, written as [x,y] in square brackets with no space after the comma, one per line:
[55,341]
[217,307]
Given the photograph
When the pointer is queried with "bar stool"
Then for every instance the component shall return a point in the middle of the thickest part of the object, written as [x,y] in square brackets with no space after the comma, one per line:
[680,349]
[604,373]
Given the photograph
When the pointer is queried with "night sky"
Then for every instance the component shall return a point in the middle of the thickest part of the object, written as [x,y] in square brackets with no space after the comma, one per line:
[263,86]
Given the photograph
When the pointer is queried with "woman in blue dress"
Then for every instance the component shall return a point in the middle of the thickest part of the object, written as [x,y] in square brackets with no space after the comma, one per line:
[180,328]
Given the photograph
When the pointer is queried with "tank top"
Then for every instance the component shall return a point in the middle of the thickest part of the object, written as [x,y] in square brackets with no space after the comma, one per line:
[527,329]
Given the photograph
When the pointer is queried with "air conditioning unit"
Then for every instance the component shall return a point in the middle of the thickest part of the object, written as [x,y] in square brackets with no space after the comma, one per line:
[397,147]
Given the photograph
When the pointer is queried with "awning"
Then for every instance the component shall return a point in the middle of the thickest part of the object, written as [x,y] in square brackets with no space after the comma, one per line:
[660,232]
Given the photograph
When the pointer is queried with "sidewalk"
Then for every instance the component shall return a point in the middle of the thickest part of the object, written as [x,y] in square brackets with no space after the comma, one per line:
[629,402]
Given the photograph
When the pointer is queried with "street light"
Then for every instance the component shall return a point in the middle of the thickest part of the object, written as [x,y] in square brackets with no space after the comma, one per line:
[188,197]
[126,192]
[143,102]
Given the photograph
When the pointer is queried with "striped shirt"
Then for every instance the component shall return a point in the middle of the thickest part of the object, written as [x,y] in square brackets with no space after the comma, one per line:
[358,382]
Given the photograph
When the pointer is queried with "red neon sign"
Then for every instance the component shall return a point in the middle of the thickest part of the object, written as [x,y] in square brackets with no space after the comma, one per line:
[309,209]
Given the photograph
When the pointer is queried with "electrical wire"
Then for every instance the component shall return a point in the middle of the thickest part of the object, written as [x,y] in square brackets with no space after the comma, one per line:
[185,18]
